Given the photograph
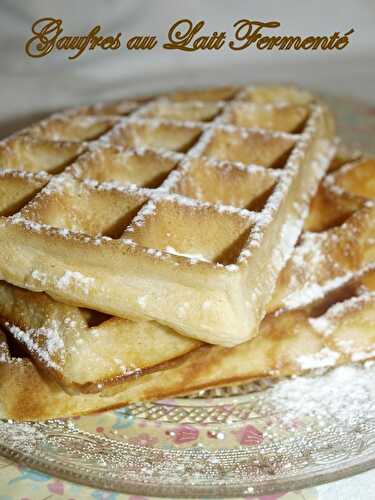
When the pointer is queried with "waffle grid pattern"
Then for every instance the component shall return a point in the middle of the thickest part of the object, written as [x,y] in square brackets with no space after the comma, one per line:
[195,185]
[337,245]
[334,259]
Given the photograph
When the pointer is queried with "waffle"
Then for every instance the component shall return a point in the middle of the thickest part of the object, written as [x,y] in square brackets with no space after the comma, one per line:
[334,326]
[59,337]
[192,198]
[290,343]
[339,237]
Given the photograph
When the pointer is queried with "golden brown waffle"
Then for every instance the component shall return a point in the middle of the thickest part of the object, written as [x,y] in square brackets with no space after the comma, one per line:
[59,337]
[291,342]
[338,240]
[335,326]
[174,213]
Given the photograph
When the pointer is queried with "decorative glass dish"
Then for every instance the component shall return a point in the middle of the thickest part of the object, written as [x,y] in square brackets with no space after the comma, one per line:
[255,439]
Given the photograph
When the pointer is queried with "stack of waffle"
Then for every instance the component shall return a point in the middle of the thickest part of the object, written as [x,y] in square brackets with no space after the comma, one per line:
[159,246]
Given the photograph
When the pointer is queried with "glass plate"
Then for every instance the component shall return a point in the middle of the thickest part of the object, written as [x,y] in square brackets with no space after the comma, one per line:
[255,439]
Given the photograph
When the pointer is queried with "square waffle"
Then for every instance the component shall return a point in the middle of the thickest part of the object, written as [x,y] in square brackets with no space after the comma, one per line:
[170,209]
[135,361]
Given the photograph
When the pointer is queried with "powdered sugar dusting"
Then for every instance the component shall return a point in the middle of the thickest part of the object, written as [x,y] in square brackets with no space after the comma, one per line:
[75,279]
[46,349]
[322,359]
[327,323]
[141,131]
[22,174]
[191,256]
